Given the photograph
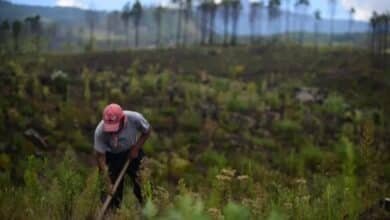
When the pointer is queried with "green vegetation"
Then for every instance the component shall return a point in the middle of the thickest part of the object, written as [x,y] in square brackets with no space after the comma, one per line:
[230,140]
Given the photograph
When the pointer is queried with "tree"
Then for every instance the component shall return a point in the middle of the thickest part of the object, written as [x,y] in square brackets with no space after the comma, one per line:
[254,7]
[4,31]
[225,17]
[187,16]
[287,12]
[302,6]
[136,13]
[374,25]
[203,10]
[91,17]
[235,10]
[273,10]
[351,20]
[261,7]
[16,29]
[35,27]
[112,21]
[158,13]
[317,16]
[332,12]
[125,16]
[180,3]
[52,34]
[212,8]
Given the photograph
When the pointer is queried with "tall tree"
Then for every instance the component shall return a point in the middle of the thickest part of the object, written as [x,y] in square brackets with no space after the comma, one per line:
[317,16]
[187,17]
[136,13]
[35,27]
[212,9]
[274,11]
[16,29]
[225,17]
[111,22]
[261,15]
[4,32]
[287,13]
[235,10]
[332,12]
[158,13]
[125,16]
[180,4]
[351,20]
[203,10]
[302,6]
[253,13]
[374,28]
[91,17]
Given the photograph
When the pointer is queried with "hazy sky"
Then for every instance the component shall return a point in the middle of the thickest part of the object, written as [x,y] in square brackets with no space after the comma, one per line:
[364,8]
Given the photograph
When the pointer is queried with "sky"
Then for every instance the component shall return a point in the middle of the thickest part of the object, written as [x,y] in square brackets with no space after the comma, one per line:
[364,8]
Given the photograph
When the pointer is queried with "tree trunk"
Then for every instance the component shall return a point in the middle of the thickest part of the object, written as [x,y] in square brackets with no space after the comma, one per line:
[179,18]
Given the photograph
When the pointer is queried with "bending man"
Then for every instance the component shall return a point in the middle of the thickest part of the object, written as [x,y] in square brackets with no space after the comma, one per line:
[120,135]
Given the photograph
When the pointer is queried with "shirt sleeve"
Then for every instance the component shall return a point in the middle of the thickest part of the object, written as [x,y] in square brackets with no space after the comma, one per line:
[99,144]
[142,124]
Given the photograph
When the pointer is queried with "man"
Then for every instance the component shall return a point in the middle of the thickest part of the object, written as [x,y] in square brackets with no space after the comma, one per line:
[115,142]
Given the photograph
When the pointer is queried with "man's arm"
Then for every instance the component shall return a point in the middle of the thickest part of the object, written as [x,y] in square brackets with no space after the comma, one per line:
[101,161]
[140,142]
[103,170]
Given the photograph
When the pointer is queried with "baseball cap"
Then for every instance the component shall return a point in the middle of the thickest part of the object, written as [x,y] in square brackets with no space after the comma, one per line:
[112,116]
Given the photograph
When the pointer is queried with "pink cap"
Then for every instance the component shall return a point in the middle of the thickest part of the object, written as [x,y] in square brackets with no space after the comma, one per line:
[112,116]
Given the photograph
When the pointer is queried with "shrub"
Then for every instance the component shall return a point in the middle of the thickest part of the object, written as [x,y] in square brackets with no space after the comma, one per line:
[288,130]
[312,158]
[232,211]
[334,104]
[212,158]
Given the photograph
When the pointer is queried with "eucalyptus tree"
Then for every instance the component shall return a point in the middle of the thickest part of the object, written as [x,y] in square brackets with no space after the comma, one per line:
[235,15]
[317,23]
[35,27]
[158,16]
[187,17]
[226,7]
[112,20]
[16,29]
[374,28]
[180,4]
[203,10]
[332,12]
[212,9]
[302,6]
[253,13]
[274,11]
[125,16]
[287,14]
[5,28]
[91,17]
[352,12]
[136,14]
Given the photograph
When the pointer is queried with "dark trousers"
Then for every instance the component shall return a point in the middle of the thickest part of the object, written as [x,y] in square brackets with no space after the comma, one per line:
[115,163]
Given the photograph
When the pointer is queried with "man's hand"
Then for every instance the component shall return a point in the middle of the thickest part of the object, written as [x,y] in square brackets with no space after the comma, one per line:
[108,186]
[134,151]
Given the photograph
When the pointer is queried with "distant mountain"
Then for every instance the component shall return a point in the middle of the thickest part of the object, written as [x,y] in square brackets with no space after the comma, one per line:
[65,15]
[278,25]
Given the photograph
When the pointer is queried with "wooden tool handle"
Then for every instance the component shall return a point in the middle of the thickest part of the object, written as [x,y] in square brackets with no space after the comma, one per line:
[115,187]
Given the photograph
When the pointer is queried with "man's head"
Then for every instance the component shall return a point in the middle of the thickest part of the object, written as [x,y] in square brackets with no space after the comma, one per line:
[112,117]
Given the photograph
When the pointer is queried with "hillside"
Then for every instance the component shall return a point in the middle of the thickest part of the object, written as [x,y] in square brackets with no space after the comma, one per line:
[251,133]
